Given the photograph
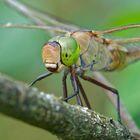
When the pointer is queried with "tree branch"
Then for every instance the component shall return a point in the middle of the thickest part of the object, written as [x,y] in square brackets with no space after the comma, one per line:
[52,114]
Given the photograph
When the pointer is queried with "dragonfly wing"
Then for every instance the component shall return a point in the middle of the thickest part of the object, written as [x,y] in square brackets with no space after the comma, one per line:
[39,17]
[55,21]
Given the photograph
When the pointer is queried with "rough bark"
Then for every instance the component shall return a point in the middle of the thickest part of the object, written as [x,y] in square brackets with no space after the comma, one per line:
[68,122]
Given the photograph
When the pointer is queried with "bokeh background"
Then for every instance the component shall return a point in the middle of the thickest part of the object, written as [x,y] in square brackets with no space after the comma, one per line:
[20,56]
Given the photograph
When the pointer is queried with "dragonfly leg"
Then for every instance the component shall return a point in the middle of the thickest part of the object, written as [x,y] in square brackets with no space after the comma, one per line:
[76,91]
[40,78]
[83,93]
[69,97]
[65,93]
[79,100]
[114,91]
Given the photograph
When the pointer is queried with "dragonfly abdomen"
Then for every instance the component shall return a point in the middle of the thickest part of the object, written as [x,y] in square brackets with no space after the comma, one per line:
[117,61]
[120,59]
[133,54]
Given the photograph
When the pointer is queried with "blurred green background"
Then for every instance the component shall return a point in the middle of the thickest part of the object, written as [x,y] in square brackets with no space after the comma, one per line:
[20,56]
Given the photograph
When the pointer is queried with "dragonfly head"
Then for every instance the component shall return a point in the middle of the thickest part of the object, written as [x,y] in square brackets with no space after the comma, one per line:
[60,52]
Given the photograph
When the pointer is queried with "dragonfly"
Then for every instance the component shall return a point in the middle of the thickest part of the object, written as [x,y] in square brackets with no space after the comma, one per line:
[78,51]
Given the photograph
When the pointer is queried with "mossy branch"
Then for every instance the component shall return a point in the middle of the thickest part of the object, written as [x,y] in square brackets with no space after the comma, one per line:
[45,111]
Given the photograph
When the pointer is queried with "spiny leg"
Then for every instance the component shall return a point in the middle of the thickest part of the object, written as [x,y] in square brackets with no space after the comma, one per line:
[71,96]
[76,91]
[79,100]
[65,92]
[87,78]
[83,93]
[40,78]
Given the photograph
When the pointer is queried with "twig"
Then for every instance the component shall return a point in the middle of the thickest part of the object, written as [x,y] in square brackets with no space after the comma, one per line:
[47,112]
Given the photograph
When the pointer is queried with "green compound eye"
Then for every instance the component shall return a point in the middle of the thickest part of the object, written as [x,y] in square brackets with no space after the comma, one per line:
[70,50]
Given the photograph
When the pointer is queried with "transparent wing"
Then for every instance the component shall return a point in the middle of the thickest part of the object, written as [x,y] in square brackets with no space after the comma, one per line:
[40,18]
[117,29]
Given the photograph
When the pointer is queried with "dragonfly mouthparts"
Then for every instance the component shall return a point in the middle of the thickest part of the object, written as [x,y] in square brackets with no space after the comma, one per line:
[53,66]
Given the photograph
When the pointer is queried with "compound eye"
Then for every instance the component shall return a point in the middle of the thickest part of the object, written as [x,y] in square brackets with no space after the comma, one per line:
[66,56]
[70,50]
